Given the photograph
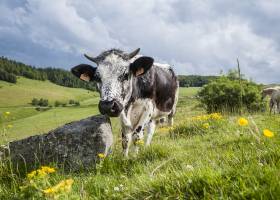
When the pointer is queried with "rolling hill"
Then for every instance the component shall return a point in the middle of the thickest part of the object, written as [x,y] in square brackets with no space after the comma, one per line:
[26,120]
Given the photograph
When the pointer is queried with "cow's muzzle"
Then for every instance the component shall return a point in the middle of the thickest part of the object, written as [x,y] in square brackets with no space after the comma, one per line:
[111,108]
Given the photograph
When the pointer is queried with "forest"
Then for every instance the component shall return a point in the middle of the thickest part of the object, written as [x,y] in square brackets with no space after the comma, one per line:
[195,80]
[10,69]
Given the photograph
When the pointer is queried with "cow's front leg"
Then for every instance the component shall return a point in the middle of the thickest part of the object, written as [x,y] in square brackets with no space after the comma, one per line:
[150,131]
[137,138]
[126,140]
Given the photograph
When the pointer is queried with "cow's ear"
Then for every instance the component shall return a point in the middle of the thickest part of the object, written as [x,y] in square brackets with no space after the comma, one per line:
[84,72]
[141,65]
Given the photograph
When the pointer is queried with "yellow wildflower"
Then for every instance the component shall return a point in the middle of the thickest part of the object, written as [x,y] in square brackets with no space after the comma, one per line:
[10,126]
[205,125]
[47,169]
[101,155]
[242,121]
[139,142]
[198,118]
[49,191]
[216,116]
[62,186]
[41,173]
[32,174]
[7,113]
[268,133]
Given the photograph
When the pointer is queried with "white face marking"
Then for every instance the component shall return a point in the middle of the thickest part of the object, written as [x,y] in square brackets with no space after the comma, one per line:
[116,82]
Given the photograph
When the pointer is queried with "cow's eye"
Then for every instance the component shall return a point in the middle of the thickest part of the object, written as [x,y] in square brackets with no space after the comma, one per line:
[124,77]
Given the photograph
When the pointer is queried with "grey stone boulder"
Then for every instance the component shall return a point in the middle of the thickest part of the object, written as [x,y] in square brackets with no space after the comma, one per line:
[75,145]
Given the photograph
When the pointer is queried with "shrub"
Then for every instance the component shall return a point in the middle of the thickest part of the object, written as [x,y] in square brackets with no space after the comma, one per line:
[35,102]
[57,103]
[71,101]
[225,94]
[43,102]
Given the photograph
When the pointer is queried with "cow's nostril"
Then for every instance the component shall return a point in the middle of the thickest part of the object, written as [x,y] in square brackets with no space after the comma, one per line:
[112,108]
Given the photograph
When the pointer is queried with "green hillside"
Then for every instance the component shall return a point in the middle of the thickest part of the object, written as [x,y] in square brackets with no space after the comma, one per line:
[26,120]
[21,93]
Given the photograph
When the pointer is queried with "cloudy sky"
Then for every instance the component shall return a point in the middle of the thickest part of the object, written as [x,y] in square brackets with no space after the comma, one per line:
[196,36]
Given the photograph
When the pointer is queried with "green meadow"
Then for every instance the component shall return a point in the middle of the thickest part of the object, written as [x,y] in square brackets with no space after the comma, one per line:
[201,157]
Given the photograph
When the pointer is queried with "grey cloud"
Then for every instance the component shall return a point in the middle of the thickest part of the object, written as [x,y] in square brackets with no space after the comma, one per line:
[196,36]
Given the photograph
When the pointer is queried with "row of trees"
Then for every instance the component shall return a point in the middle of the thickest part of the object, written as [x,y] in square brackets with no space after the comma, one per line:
[5,76]
[9,69]
[45,103]
[40,102]
[194,80]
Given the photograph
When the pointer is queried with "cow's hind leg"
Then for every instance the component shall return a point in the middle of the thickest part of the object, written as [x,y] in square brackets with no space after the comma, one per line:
[150,131]
[271,105]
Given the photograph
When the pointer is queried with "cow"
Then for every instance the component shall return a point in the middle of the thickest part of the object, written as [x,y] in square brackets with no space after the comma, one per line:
[275,101]
[269,91]
[133,88]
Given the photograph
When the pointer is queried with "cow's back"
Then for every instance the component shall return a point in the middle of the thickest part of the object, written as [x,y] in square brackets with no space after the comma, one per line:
[158,84]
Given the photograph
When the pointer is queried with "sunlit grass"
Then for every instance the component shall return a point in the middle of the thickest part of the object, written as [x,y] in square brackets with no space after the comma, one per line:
[201,157]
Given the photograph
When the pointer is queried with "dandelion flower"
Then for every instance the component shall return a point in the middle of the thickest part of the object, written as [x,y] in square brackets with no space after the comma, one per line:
[41,173]
[62,186]
[205,125]
[31,175]
[49,191]
[101,155]
[216,116]
[268,133]
[7,113]
[139,142]
[242,121]
[47,169]
[9,126]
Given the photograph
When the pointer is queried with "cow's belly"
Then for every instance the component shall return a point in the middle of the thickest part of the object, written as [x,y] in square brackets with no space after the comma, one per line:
[159,114]
[142,111]
[139,112]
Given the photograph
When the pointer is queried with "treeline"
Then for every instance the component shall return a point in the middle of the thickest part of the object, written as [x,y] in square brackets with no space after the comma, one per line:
[194,80]
[9,69]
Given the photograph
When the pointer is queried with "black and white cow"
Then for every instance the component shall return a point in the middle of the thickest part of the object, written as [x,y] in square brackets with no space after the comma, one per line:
[134,88]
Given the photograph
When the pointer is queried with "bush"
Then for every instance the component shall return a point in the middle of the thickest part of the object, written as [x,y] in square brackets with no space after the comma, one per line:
[35,102]
[57,103]
[43,102]
[73,102]
[229,95]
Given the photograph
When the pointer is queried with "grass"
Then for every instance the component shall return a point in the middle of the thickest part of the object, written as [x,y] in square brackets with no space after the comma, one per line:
[21,93]
[224,161]
[26,121]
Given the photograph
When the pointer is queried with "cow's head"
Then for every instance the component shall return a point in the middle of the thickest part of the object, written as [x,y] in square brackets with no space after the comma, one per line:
[113,75]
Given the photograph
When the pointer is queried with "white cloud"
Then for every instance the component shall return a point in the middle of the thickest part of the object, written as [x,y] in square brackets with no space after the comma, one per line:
[196,36]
